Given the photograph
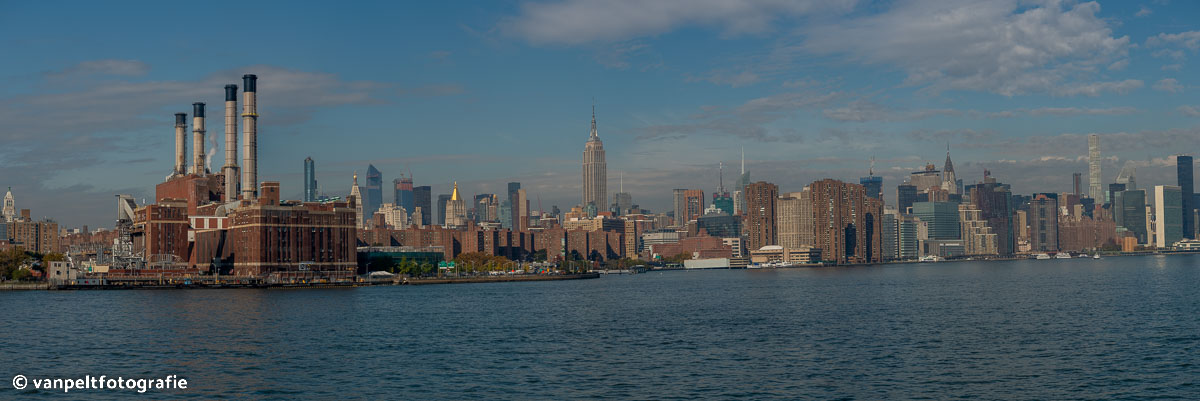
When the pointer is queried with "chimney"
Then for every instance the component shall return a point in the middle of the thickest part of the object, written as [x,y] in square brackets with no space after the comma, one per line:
[198,139]
[180,143]
[269,195]
[250,130]
[231,142]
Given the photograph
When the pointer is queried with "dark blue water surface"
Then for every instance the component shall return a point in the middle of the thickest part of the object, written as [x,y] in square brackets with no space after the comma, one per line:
[1117,328]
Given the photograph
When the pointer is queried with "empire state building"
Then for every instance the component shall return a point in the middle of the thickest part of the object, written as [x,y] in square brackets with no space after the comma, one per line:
[595,171]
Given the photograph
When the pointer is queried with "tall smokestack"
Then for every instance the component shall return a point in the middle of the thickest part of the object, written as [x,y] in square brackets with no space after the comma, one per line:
[180,143]
[231,142]
[198,167]
[250,130]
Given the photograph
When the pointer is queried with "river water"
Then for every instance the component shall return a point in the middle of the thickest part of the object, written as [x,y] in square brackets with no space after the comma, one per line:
[1117,328]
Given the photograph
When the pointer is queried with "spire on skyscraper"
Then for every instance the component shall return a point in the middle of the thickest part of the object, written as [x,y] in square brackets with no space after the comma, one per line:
[454,195]
[594,135]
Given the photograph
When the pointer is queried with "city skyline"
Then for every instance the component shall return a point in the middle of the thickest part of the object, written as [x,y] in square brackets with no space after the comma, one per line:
[673,113]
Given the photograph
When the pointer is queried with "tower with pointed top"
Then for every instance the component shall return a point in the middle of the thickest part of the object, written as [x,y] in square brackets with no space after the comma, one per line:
[595,170]
[456,209]
[358,202]
[10,207]
[949,181]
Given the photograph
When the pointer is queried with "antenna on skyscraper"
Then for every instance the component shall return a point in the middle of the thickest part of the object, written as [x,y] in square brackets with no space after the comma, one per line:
[871,171]
[622,182]
[721,177]
[743,160]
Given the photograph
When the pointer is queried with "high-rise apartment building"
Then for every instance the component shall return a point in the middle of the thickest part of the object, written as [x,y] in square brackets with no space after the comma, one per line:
[595,171]
[994,201]
[760,214]
[694,201]
[794,220]
[1168,215]
[847,224]
[1095,187]
[1183,176]
[1043,223]
[310,180]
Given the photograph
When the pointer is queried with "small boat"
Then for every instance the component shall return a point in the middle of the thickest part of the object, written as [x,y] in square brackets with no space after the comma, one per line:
[931,258]
[1062,255]
[1042,256]
[1083,256]
[1096,256]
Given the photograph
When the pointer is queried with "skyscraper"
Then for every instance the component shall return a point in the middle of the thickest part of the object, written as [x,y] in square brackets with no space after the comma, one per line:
[622,200]
[942,218]
[403,193]
[1183,176]
[694,201]
[374,195]
[441,208]
[10,207]
[1168,215]
[358,202]
[739,195]
[422,199]
[509,219]
[906,195]
[595,174]
[794,220]
[1095,189]
[679,201]
[310,180]
[994,201]
[1077,183]
[456,210]
[760,214]
[949,180]
[1043,223]
[1129,211]
[873,184]
[847,224]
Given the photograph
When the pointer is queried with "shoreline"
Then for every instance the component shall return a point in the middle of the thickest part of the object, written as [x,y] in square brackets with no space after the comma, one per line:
[201,283]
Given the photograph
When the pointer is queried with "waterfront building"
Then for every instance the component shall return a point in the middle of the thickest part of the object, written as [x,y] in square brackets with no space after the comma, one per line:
[1043,223]
[994,201]
[595,174]
[1129,212]
[1084,233]
[977,235]
[1094,184]
[356,195]
[759,216]
[456,211]
[890,234]
[402,193]
[847,224]
[908,240]
[1168,215]
[794,220]
[35,236]
[422,199]
[1183,177]
[720,224]
[942,217]
[310,180]
[373,193]
[906,195]
[776,254]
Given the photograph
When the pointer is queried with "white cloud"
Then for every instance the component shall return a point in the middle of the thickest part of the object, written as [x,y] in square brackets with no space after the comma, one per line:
[1096,88]
[574,22]
[1190,111]
[1075,111]
[1143,12]
[1168,85]
[997,46]
[1189,40]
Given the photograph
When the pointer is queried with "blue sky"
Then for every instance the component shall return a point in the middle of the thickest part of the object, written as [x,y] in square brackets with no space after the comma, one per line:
[490,92]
